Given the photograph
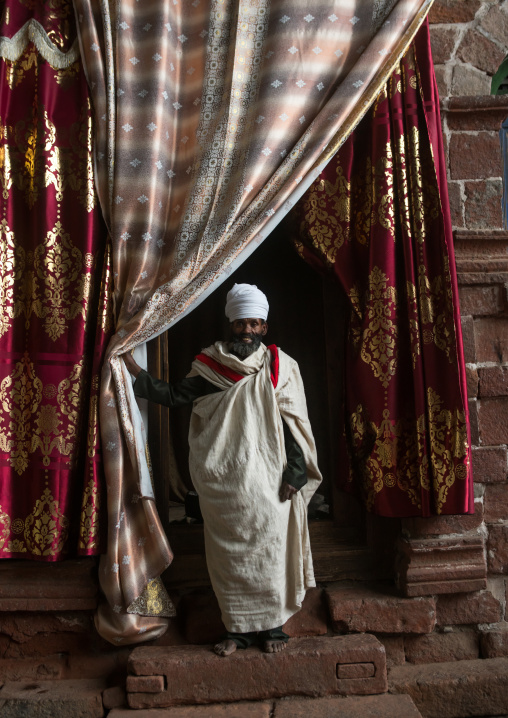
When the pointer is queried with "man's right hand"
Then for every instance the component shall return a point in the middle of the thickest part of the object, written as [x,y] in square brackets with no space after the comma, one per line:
[131,365]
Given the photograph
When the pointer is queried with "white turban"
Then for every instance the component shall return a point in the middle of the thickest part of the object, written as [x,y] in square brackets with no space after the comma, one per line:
[246,301]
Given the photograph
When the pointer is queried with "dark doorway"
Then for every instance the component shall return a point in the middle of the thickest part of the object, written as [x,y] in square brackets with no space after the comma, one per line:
[306,320]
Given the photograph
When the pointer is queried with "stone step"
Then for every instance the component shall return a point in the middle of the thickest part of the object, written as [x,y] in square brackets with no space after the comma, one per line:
[456,689]
[378,608]
[313,667]
[381,706]
[52,699]
[31,586]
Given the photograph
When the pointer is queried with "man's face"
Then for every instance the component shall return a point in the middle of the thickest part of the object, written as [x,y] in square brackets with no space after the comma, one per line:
[246,335]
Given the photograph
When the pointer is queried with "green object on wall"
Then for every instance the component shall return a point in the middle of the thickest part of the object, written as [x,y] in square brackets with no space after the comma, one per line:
[500,80]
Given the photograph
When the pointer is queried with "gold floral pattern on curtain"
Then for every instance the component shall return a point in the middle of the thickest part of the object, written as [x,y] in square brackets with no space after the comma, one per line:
[52,301]
[378,220]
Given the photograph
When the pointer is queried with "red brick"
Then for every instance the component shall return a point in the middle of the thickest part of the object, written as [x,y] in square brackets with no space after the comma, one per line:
[45,644]
[442,647]
[491,339]
[378,609]
[473,422]
[480,299]
[460,688]
[493,381]
[493,421]
[48,587]
[145,684]
[384,706]
[114,697]
[442,525]
[495,23]
[490,464]
[355,670]
[480,112]
[58,699]
[446,564]
[475,156]
[111,665]
[496,502]
[456,204]
[394,647]
[443,42]
[308,666]
[470,608]
[23,626]
[311,620]
[497,549]
[482,207]
[494,643]
[472,382]
[220,710]
[454,11]
[33,669]
[468,339]
[480,52]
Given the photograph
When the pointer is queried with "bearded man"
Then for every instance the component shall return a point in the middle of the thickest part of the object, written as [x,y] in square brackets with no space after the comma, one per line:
[253,464]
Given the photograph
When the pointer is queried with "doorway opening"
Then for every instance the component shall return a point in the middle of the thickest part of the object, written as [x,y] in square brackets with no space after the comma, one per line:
[306,320]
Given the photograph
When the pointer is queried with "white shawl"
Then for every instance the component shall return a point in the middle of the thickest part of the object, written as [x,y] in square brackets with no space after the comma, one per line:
[257,547]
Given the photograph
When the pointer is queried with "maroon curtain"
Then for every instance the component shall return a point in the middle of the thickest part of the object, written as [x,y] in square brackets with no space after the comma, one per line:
[54,290]
[378,219]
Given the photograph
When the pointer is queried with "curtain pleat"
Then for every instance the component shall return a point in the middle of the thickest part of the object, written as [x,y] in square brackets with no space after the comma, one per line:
[378,219]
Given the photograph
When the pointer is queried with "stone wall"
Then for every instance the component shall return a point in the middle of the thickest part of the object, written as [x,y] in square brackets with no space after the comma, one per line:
[469,41]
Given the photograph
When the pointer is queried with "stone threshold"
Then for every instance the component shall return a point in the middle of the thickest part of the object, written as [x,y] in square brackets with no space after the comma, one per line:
[381,706]
[454,690]
[160,677]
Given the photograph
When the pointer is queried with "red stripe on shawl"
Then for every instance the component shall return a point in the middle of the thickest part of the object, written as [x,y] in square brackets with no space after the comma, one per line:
[274,369]
[219,368]
[233,376]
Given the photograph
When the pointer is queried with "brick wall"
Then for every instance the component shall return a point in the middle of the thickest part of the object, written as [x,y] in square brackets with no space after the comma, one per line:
[469,41]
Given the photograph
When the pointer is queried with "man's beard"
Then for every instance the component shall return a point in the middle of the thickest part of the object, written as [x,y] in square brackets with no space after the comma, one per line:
[242,350]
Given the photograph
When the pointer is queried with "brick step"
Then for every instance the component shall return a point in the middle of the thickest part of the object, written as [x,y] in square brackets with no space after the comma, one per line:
[31,586]
[312,667]
[381,706]
[55,699]
[377,608]
[454,690]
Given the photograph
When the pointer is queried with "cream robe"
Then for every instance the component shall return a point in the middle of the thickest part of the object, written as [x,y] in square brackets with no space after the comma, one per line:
[257,547]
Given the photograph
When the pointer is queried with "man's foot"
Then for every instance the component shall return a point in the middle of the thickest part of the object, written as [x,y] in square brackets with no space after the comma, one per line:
[225,648]
[274,646]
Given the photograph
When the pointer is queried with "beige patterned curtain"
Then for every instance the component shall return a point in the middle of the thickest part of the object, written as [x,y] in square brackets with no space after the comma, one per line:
[213,117]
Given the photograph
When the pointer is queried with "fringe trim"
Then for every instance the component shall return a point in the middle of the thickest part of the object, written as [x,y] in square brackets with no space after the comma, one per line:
[11,48]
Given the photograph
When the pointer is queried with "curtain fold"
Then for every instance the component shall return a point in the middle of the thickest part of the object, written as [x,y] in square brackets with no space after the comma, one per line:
[378,219]
[54,306]
[213,118]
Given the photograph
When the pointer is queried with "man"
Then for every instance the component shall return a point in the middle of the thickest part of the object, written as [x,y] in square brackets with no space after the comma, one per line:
[253,464]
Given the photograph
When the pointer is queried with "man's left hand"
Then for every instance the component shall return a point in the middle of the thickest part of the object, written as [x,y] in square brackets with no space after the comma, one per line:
[287,491]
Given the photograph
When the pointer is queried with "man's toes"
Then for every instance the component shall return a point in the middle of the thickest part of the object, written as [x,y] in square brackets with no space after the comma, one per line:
[225,648]
[274,646]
